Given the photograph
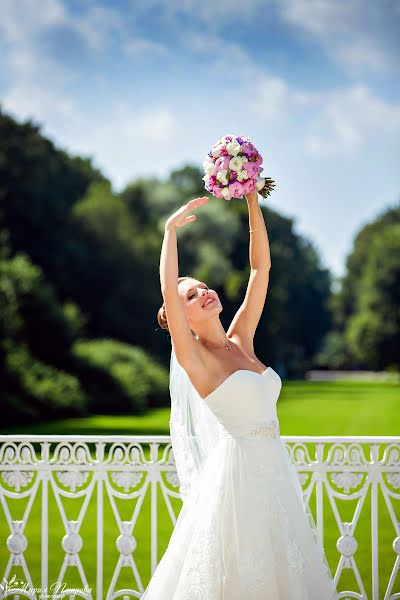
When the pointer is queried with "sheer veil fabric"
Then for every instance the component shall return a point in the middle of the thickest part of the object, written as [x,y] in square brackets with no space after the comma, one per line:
[195,430]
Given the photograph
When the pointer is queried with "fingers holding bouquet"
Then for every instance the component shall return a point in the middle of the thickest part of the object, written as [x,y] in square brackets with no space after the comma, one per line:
[232,169]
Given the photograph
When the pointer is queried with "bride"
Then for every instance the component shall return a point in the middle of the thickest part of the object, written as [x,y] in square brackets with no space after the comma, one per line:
[244,531]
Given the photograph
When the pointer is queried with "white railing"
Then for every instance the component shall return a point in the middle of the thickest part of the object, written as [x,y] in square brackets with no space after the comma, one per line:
[352,485]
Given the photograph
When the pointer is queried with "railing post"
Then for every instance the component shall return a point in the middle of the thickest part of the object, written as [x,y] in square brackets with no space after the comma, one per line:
[319,493]
[153,482]
[100,519]
[374,521]
[45,518]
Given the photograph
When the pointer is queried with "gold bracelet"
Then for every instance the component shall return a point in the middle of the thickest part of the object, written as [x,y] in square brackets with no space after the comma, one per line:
[251,230]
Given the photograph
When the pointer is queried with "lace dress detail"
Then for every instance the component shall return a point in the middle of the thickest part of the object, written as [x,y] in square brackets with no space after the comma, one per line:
[269,429]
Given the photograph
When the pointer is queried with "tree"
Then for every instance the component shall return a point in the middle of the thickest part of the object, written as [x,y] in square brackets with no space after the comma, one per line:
[365,310]
[373,331]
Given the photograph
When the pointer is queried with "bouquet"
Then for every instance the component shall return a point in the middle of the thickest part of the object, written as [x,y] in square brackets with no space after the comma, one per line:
[232,169]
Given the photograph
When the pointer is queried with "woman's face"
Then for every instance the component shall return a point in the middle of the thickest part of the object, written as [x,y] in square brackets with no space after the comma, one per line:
[200,302]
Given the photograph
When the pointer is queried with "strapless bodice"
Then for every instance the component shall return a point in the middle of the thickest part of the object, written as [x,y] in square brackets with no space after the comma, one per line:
[245,404]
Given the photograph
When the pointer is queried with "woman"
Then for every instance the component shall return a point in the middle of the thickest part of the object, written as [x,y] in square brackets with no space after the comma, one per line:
[244,531]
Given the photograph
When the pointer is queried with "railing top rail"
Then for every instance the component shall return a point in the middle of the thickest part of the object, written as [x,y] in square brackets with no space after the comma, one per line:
[166,438]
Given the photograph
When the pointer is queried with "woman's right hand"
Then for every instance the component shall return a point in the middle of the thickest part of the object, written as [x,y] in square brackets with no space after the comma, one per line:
[180,218]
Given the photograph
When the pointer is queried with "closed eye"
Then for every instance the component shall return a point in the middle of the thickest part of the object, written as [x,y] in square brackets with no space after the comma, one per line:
[193,295]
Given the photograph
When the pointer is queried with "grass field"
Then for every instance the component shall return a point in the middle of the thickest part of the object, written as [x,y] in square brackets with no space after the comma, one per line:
[304,408]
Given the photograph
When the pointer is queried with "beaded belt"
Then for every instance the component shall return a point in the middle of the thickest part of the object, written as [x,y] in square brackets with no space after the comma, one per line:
[269,429]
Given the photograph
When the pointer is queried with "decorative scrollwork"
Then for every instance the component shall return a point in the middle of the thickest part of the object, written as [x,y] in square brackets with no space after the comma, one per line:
[172,478]
[125,479]
[17,543]
[72,479]
[72,543]
[66,453]
[347,480]
[17,479]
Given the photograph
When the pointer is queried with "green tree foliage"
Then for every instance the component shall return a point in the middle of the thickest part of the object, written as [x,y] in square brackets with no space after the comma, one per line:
[35,335]
[365,310]
[373,331]
[117,285]
[81,281]
[39,184]
[126,374]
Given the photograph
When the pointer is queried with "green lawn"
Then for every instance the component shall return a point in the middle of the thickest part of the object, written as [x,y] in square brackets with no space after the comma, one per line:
[304,408]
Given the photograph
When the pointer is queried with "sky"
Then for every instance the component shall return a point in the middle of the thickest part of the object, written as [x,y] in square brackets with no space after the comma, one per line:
[144,87]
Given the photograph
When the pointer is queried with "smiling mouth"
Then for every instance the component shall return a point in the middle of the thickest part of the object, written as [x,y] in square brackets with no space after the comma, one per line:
[208,302]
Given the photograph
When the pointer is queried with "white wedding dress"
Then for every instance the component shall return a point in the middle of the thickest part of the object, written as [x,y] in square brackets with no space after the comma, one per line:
[244,532]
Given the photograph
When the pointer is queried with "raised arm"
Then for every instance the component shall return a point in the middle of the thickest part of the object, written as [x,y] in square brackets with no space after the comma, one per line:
[183,342]
[245,321]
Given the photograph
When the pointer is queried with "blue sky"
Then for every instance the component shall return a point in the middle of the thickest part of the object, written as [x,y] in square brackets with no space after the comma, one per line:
[144,87]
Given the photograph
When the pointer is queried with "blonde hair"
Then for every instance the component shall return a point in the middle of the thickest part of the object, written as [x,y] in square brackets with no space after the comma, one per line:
[161,314]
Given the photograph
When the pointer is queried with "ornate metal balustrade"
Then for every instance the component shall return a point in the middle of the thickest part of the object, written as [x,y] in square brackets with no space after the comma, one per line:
[130,484]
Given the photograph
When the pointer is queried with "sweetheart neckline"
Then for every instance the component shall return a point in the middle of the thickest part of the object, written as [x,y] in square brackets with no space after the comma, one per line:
[231,375]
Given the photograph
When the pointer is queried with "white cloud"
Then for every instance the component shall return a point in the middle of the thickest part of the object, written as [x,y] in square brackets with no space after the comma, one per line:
[21,20]
[135,45]
[28,101]
[339,121]
[356,35]
[274,99]
[349,119]
[131,141]
[320,16]
[363,52]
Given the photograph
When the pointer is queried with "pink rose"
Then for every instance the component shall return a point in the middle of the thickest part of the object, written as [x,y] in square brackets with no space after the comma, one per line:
[213,180]
[217,191]
[224,151]
[248,149]
[236,189]
[251,168]
[249,186]
[222,163]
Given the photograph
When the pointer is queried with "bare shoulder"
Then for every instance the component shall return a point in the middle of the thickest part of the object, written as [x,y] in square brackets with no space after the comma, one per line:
[196,364]
[204,370]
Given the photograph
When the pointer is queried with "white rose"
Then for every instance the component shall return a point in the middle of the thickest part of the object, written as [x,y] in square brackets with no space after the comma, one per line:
[235,164]
[244,159]
[225,191]
[242,175]
[233,148]
[222,176]
[216,151]
[260,183]
[209,168]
